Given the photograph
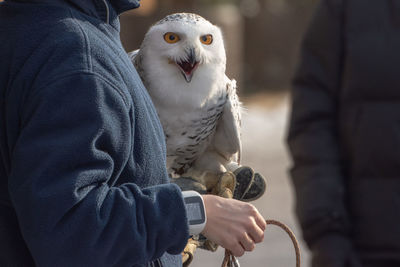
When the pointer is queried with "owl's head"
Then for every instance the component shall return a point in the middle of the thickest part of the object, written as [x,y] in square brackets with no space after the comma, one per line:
[185,44]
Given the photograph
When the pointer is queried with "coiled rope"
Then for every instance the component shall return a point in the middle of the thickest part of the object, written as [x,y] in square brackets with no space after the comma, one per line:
[231,261]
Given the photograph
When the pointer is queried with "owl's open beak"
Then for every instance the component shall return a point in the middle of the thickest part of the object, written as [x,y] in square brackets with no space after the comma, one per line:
[188,67]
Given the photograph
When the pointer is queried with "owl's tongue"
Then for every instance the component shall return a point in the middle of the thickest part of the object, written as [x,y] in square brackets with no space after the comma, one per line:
[189,65]
[187,69]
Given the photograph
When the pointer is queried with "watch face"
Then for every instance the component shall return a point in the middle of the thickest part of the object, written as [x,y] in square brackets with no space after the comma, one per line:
[195,210]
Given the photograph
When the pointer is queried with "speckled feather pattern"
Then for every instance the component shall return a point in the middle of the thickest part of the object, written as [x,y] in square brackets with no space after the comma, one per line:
[182,17]
[197,136]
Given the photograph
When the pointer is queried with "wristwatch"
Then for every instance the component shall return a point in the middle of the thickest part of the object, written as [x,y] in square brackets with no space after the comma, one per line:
[195,211]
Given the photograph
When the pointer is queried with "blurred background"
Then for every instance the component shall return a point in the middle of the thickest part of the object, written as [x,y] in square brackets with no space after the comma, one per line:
[262,39]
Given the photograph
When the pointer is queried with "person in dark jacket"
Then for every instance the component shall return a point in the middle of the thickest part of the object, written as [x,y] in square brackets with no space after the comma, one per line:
[83,179]
[344,134]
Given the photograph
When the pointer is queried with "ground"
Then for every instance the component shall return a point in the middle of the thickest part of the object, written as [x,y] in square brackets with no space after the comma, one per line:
[264,126]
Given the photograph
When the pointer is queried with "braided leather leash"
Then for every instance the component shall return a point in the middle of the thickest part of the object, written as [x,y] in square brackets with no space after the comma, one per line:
[231,261]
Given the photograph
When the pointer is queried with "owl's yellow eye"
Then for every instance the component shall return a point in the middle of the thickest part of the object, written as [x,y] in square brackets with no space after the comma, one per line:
[206,39]
[171,37]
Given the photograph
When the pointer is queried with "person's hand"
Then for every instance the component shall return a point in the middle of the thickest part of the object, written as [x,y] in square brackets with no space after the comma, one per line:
[334,250]
[232,224]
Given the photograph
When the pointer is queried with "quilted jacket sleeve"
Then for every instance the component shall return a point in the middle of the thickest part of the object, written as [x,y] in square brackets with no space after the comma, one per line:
[313,140]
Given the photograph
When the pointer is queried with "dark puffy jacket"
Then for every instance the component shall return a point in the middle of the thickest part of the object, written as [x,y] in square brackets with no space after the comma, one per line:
[344,132]
[83,179]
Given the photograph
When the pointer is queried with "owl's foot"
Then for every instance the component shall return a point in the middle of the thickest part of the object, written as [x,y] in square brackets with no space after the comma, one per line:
[188,183]
[250,185]
[206,244]
[225,185]
[188,251]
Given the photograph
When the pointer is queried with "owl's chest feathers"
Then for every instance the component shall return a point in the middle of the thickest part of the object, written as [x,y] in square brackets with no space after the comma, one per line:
[189,112]
[189,133]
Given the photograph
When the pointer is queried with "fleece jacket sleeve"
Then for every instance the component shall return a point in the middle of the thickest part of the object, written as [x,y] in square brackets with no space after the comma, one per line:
[70,152]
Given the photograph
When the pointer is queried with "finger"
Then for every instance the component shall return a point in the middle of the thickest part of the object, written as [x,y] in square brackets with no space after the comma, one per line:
[257,235]
[260,221]
[237,250]
[255,232]
[247,242]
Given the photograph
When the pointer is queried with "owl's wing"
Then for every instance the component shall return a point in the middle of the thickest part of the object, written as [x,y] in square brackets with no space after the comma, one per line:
[136,59]
[227,141]
[132,55]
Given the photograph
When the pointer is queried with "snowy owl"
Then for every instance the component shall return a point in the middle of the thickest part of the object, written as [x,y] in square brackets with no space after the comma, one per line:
[182,64]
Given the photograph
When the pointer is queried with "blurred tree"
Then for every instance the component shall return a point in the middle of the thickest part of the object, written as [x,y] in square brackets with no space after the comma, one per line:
[147,7]
[217,2]
[273,32]
[135,23]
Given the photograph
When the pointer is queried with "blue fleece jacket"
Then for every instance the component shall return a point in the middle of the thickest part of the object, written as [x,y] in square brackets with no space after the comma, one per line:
[82,162]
